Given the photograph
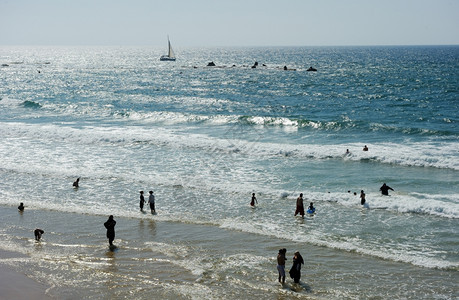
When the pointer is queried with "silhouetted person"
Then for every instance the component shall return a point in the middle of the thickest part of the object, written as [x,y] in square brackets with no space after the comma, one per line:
[254,200]
[151,201]
[362,197]
[365,148]
[295,271]
[142,201]
[385,189]
[110,225]
[76,182]
[21,206]
[38,232]
[311,208]
[299,206]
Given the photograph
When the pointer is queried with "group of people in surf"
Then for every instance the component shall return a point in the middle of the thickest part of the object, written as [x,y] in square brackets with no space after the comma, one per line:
[151,201]
[110,223]
[295,270]
[37,232]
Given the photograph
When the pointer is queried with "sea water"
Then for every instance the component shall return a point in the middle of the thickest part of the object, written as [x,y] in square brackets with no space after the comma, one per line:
[204,139]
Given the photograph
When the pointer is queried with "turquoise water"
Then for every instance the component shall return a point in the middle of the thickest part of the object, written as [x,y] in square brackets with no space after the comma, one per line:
[205,138]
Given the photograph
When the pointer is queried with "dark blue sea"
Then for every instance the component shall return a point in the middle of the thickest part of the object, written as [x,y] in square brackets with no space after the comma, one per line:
[204,139]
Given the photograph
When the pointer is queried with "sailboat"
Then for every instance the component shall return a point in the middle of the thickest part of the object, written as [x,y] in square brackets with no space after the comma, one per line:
[170,55]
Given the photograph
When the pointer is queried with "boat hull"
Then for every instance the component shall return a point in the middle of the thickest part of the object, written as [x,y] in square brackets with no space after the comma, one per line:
[166,58]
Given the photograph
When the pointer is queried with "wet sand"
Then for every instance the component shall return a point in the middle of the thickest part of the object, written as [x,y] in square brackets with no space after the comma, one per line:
[14,285]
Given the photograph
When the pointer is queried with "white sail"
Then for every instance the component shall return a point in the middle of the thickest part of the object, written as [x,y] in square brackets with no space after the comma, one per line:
[170,53]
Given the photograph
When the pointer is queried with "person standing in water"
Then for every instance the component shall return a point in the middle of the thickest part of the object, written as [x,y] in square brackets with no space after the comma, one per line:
[295,271]
[21,207]
[281,264]
[110,225]
[362,197]
[299,206]
[151,201]
[385,189]
[142,201]
[254,200]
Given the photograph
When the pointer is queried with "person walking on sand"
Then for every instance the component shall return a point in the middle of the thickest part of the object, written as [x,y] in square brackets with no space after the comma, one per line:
[362,197]
[281,264]
[142,201]
[385,189]
[254,200]
[110,225]
[299,206]
[295,271]
[38,232]
[151,201]
[21,207]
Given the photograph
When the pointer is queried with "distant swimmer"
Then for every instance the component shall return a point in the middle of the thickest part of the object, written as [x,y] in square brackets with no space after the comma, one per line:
[21,206]
[311,208]
[151,201]
[110,225]
[142,201]
[281,264]
[365,148]
[76,183]
[347,152]
[254,200]
[299,206]
[38,232]
[287,69]
[311,69]
[385,189]
[362,197]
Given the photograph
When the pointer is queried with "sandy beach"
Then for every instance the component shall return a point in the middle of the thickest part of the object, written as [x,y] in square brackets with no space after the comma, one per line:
[14,285]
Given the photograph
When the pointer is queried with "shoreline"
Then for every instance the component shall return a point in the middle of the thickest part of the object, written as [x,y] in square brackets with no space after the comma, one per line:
[16,285]
[176,260]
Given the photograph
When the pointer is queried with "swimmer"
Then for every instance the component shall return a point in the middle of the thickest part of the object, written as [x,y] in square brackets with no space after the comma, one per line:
[365,148]
[362,197]
[21,206]
[385,189]
[76,183]
[38,232]
[254,200]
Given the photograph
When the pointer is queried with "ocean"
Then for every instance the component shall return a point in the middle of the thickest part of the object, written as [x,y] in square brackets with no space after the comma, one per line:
[204,139]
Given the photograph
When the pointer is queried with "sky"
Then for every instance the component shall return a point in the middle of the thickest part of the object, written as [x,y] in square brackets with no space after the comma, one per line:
[217,23]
